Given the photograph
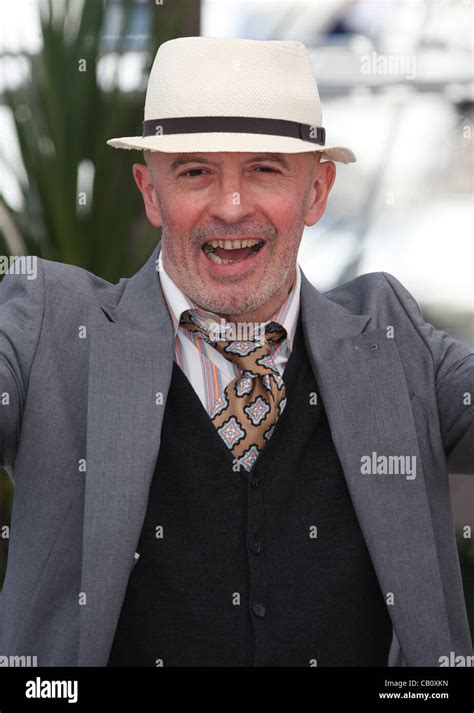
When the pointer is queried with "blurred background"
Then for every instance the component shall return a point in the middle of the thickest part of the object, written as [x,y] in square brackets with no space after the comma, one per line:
[396,81]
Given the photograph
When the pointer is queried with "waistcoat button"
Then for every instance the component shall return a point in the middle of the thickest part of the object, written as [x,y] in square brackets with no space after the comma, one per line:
[255,544]
[258,609]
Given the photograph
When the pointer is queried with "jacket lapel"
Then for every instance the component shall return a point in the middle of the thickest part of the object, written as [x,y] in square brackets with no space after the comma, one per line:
[365,394]
[131,359]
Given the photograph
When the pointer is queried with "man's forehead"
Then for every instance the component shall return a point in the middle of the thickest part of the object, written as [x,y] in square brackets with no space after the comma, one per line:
[218,158]
[175,160]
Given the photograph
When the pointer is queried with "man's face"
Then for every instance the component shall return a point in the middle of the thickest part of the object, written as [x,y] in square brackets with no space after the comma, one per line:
[256,204]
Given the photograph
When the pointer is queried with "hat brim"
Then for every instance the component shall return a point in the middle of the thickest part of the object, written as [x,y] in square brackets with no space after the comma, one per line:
[213,142]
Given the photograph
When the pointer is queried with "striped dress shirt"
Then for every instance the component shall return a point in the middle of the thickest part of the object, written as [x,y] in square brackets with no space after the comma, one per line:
[205,368]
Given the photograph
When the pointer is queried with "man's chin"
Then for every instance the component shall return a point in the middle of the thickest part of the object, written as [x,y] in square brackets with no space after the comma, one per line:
[230,305]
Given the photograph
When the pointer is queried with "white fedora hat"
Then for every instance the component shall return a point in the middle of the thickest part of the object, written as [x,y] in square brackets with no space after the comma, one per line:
[227,94]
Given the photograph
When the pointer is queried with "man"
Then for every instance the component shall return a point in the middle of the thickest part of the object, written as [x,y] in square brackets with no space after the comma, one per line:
[215,464]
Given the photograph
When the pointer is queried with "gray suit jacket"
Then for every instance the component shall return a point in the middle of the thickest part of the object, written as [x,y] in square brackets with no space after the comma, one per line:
[82,361]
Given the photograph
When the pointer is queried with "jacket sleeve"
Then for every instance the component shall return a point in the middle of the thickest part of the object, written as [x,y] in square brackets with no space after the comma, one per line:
[21,317]
[453,364]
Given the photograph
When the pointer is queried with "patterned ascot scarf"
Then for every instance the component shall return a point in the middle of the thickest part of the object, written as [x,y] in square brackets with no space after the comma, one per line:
[246,414]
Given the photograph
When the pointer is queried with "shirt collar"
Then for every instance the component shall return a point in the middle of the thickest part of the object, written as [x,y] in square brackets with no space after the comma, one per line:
[177,303]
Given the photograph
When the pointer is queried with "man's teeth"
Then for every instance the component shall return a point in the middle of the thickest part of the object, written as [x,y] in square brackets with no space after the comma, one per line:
[233,244]
[215,258]
[210,247]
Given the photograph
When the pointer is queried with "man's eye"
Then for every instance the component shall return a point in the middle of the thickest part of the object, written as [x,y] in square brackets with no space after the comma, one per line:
[193,171]
[197,172]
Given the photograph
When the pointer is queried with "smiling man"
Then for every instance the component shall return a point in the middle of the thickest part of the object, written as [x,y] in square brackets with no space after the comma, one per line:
[214,463]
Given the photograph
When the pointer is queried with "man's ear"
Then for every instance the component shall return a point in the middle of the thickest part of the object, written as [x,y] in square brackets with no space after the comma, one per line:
[322,182]
[144,181]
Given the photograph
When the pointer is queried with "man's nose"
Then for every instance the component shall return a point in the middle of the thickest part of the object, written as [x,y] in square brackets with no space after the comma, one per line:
[231,201]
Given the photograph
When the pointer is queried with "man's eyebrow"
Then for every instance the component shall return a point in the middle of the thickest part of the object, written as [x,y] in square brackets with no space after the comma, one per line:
[269,157]
[188,158]
[193,158]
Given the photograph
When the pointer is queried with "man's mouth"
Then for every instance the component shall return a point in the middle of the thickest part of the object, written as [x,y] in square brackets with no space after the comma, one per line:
[223,252]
